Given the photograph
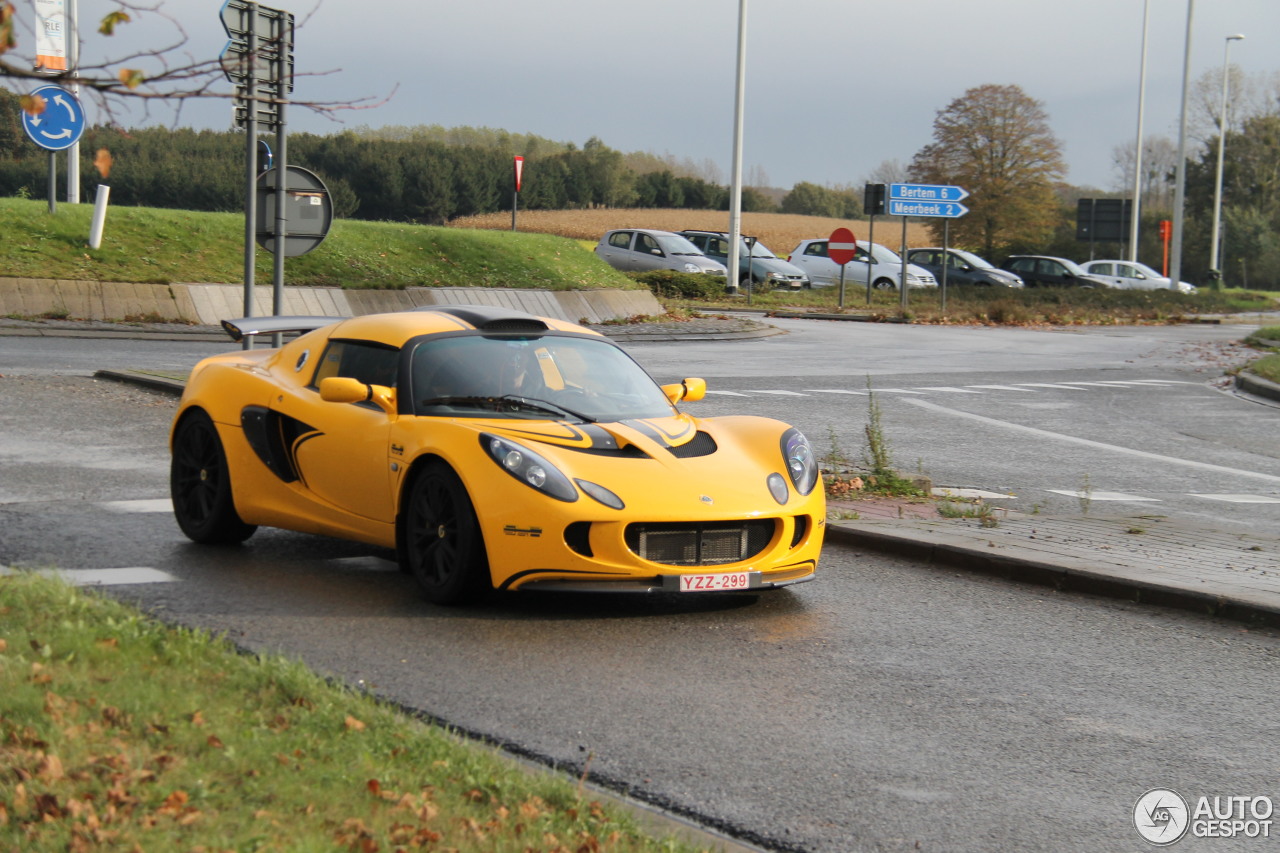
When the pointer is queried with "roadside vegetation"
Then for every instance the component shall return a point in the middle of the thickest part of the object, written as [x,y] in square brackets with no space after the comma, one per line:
[120,733]
[159,246]
[1268,339]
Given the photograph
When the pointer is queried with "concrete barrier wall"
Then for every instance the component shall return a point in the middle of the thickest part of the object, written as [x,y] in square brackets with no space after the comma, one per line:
[208,304]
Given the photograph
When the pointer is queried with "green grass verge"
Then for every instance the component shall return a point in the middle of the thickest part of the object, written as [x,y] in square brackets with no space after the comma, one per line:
[1025,307]
[155,246]
[119,733]
[1268,367]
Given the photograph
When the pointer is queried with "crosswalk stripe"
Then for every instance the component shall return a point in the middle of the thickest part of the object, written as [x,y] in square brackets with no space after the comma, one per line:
[1101,496]
[156,505]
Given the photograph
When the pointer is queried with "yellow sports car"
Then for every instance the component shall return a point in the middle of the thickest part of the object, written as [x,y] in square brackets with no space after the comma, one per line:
[493,450]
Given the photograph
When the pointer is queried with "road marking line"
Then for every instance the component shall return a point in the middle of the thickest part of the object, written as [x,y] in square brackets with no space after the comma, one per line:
[949,492]
[836,391]
[1101,496]
[727,393]
[1187,463]
[893,391]
[103,577]
[1048,385]
[779,393]
[950,390]
[1003,388]
[1240,499]
[156,505]
[1099,384]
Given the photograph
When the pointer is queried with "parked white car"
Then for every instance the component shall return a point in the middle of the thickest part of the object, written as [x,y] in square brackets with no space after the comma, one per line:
[871,262]
[1130,275]
[643,249]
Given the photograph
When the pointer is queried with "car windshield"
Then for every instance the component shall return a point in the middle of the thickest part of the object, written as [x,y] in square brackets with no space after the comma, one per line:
[539,377]
[674,244]
[973,260]
[883,255]
[759,250]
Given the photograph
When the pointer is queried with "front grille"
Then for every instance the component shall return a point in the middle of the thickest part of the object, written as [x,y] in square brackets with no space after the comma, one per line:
[700,544]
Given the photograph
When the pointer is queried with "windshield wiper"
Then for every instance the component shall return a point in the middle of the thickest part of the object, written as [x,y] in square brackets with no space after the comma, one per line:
[494,403]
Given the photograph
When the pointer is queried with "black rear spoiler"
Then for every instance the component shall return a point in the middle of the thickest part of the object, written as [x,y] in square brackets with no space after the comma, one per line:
[245,327]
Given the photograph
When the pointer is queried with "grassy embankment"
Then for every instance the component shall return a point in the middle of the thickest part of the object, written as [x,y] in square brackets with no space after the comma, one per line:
[150,245]
[119,733]
[1267,338]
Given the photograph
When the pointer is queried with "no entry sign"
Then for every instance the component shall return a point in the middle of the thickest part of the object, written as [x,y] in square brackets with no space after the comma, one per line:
[842,246]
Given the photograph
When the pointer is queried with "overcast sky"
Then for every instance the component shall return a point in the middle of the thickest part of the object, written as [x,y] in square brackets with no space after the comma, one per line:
[834,88]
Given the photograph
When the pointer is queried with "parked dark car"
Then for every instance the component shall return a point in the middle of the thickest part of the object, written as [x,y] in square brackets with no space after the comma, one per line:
[962,267]
[765,268]
[1046,271]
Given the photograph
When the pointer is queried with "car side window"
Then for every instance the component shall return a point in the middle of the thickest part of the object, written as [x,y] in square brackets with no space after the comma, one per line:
[646,244]
[1127,271]
[1023,265]
[372,364]
[818,248]
[1051,268]
[620,239]
[1105,269]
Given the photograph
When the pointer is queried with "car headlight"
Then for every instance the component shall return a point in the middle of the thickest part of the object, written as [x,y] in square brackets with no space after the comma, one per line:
[692,268]
[776,276]
[528,467]
[797,456]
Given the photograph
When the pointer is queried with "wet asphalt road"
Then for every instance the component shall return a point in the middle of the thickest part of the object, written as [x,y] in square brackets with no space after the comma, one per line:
[885,706]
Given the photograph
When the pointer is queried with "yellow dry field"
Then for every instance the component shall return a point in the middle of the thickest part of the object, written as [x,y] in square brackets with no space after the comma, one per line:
[779,231]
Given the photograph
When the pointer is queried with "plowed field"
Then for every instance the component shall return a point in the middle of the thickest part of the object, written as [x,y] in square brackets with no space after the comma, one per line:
[779,231]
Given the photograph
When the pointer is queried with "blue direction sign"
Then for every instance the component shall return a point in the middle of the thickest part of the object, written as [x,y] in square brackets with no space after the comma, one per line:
[926,192]
[943,209]
[62,122]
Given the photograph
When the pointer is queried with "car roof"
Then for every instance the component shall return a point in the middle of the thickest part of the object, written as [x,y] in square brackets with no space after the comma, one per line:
[397,328]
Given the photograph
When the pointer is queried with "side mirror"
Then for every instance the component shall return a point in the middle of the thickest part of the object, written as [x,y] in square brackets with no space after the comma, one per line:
[687,391]
[344,389]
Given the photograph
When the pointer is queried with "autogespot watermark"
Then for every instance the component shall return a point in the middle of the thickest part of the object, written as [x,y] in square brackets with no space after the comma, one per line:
[1163,817]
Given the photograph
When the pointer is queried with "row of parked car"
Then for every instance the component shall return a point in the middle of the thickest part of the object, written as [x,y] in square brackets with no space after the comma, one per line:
[809,265]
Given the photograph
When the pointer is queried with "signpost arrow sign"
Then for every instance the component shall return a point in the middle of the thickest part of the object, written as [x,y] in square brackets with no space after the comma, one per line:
[943,209]
[60,125]
[926,192]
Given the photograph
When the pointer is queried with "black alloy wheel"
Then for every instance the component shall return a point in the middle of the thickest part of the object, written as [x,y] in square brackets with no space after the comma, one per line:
[200,485]
[440,540]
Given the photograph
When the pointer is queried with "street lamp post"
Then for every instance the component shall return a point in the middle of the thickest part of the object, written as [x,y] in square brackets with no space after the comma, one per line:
[1214,269]
[1137,151]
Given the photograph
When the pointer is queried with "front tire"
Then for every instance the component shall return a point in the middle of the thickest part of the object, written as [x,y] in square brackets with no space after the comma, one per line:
[440,540]
[200,484]
[884,284]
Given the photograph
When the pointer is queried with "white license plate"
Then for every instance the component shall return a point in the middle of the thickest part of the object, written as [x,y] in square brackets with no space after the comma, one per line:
[718,582]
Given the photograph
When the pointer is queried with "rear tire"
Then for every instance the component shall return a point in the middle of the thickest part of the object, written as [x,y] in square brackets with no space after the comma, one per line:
[440,540]
[200,484]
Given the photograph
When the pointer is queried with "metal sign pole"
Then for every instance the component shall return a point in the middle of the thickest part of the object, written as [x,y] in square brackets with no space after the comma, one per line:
[903,284]
[946,260]
[250,192]
[871,241]
[282,220]
[53,181]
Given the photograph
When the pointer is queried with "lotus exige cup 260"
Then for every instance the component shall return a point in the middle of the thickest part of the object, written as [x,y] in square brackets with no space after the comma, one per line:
[493,450]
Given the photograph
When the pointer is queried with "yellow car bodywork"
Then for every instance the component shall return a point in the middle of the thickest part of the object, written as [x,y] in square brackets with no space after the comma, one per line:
[338,457]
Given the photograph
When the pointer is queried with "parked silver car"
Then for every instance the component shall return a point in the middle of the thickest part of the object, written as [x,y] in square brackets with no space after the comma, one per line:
[872,261]
[643,249]
[764,267]
[1131,275]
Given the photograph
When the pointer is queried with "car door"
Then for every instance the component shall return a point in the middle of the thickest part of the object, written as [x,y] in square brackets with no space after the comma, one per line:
[647,255]
[616,250]
[1135,278]
[1108,273]
[812,258]
[343,460]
